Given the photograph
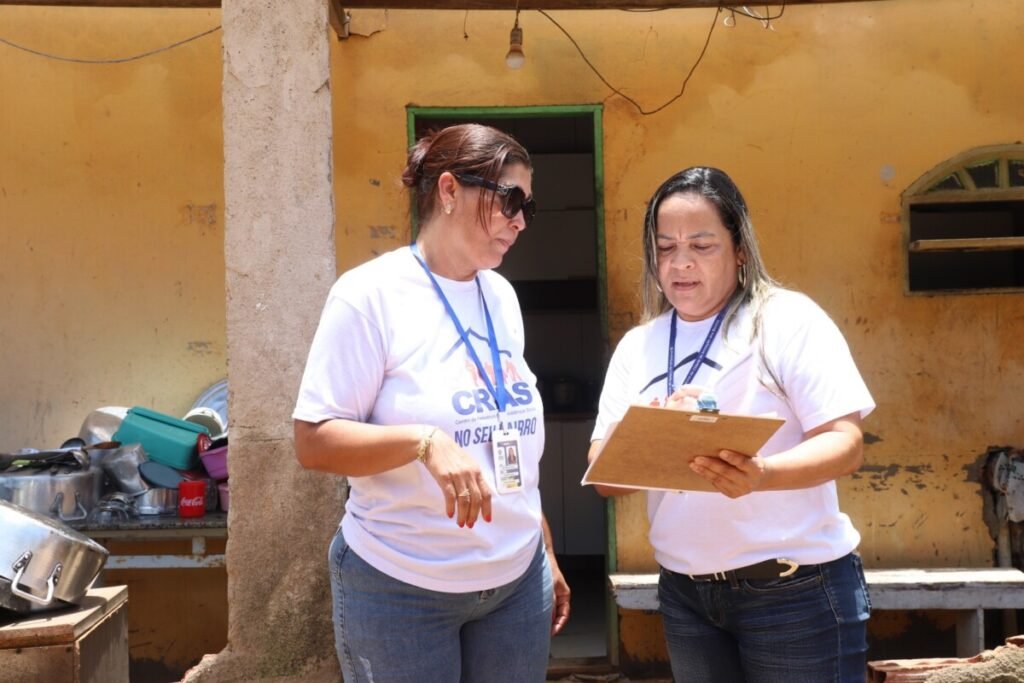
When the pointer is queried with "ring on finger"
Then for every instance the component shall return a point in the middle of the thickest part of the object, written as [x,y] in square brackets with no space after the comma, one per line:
[464,493]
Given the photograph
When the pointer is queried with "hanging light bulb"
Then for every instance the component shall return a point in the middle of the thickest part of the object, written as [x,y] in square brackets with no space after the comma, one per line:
[515,57]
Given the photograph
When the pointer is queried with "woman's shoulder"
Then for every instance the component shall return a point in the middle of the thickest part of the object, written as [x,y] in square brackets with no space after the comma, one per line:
[498,283]
[789,314]
[496,280]
[644,332]
[791,305]
[376,276]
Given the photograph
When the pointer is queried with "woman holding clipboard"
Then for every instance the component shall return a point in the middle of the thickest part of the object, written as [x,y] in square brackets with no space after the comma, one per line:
[759,579]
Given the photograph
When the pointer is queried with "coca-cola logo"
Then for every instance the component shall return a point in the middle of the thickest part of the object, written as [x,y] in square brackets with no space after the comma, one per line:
[194,502]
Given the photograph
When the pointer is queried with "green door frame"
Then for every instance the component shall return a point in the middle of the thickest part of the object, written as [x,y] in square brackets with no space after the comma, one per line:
[597,112]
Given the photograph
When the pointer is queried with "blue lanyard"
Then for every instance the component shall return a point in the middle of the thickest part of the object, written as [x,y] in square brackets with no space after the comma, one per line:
[670,375]
[500,396]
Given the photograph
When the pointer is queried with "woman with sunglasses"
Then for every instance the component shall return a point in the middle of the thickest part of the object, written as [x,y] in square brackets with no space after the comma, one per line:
[416,389]
[759,580]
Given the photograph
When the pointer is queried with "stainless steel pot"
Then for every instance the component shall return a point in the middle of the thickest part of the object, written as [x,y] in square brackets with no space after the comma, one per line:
[212,495]
[164,501]
[122,467]
[157,501]
[44,563]
[67,494]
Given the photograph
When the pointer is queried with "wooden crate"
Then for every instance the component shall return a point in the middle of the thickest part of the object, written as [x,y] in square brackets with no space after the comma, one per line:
[84,644]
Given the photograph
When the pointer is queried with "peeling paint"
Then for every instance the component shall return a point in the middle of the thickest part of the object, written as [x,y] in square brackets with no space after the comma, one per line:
[204,215]
[200,348]
[365,23]
[880,477]
[383,232]
[972,470]
[884,471]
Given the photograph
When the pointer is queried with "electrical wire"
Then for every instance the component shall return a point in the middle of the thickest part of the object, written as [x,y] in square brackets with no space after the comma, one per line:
[766,20]
[734,9]
[747,12]
[682,88]
[119,60]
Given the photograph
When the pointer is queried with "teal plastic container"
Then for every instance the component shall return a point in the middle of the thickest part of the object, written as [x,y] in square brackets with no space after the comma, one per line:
[166,439]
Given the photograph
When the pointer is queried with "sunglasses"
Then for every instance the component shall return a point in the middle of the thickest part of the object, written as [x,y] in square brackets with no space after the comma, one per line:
[514,199]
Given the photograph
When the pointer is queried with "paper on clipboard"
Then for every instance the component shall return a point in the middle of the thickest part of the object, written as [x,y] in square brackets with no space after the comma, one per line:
[651,448]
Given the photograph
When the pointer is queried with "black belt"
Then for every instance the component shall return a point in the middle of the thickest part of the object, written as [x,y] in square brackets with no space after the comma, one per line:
[769,569]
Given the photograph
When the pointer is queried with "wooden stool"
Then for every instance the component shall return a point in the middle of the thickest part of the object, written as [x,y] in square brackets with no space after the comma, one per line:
[80,644]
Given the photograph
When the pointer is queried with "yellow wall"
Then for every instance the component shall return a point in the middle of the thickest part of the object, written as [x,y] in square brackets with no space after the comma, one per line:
[823,122]
[806,118]
[112,257]
[111,223]
[111,196]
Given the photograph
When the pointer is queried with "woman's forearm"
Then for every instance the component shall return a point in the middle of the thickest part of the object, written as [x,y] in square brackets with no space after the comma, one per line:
[828,452]
[356,449]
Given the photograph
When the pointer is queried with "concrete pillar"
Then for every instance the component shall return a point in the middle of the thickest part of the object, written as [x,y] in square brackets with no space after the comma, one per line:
[279,253]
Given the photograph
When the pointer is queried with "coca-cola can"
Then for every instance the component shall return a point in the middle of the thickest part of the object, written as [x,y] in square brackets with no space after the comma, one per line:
[192,498]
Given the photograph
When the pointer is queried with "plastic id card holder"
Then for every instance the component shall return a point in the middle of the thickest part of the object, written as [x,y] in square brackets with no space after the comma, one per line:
[508,473]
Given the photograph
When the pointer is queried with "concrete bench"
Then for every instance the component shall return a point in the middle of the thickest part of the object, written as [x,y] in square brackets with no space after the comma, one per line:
[968,591]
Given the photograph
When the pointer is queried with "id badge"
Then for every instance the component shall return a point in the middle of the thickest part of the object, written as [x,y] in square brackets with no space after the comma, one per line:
[508,473]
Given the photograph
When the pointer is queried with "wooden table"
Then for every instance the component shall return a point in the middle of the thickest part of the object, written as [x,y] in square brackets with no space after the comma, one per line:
[149,528]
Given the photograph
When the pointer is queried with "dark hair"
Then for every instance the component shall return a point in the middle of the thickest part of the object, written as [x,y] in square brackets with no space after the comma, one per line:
[468,148]
[755,285]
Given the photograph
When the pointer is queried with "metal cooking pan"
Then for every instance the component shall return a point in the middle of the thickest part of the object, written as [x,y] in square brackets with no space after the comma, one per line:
[67,494]
[71,454]
[44,564]
[157,501]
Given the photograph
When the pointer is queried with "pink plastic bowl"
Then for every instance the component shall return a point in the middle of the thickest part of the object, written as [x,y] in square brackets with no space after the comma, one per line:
[215,461]
[222,489]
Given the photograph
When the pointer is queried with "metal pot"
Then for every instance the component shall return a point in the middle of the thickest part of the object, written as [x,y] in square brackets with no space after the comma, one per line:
[212,495]
[157,501]
[44,563]
[164,501]
[122,468]
[66,494]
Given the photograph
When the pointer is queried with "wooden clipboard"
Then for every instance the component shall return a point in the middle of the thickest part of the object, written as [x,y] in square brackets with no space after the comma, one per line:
[651,448]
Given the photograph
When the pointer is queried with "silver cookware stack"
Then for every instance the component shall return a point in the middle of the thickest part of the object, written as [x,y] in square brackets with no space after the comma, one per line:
[44,564]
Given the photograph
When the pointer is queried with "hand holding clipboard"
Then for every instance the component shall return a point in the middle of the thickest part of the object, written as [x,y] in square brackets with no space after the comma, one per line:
[652,447]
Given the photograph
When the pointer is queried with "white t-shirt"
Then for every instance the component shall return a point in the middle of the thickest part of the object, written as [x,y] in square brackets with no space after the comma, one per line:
[386,352]
[701,533]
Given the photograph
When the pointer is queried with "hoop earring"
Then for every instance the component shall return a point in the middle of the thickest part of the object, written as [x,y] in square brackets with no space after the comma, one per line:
[741,275]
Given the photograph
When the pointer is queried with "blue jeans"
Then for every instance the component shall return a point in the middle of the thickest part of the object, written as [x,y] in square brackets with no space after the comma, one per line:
[810,627]
[387,631]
